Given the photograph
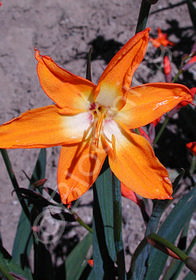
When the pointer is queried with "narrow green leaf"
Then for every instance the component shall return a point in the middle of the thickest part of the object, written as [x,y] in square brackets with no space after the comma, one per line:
[91,275]
[117,213]
[138,268]
[138,264]
[170,229]
[104,251]
[173,268]
[163,243]
[98,263]
[190,276]
[176,266]
[105,200]
[76,260]
[8,264]
[4,273]
[23,238]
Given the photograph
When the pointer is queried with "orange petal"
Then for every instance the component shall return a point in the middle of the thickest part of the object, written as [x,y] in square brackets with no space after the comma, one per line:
[126,192]
[67,90]
[148,102]
[79,166]
[135,164]
[118,74]
[43,127]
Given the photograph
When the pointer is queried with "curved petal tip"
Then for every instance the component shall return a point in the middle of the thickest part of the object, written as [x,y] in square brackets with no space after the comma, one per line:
[37,54]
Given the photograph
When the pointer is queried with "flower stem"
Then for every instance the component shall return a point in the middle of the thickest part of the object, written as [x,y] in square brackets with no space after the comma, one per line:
[80,221]
[143,15]
[161,130]
[177,75]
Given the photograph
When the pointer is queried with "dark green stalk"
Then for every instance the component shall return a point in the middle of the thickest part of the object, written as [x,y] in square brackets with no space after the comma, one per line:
[177,75]
[143,16]
[81,222]
[88,67]
[161,130]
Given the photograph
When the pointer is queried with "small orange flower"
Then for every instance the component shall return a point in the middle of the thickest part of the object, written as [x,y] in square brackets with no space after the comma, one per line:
[90,122]
[192,147]
[161,40]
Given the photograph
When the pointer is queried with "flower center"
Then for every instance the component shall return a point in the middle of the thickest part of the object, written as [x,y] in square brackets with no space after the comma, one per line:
[101,114]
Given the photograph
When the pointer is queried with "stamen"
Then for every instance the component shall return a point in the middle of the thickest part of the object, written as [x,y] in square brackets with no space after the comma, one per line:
[99,124]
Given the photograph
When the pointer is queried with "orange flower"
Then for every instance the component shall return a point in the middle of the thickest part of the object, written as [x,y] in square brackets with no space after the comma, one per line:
[191,146]
[161,40]
[91,121]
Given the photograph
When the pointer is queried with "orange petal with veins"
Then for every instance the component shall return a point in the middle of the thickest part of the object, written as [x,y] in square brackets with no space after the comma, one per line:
[67,90]
[149,102]
[135,164]
[79,166]
[43,127]
[118,74]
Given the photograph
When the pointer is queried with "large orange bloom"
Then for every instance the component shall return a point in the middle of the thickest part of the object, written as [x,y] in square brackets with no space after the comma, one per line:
[91,121]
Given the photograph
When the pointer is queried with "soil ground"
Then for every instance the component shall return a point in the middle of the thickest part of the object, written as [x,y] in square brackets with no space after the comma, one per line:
[65,30]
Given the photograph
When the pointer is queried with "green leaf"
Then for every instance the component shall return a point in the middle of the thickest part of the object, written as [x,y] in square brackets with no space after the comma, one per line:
[138,263]
[163,244]
[8,264]
[23,238]
[104,251]
[76,260]
[170,230]
[4,273]
[190,276]
[176,266]
[117,213]
[105,199]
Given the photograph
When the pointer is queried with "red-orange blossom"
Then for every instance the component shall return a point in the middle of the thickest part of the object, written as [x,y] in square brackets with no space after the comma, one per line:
[91,122]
